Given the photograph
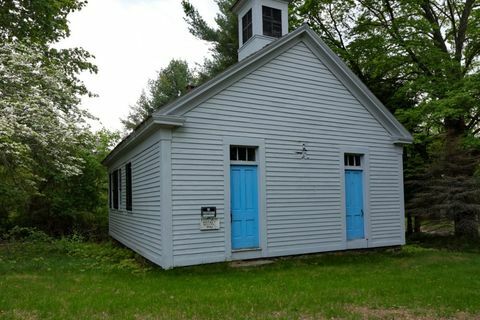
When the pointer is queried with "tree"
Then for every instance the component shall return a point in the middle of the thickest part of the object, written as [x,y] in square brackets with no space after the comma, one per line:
[39,119]
[428,51]
[74,203]
[449,187]
[172,82]
[224,39]
[42,127]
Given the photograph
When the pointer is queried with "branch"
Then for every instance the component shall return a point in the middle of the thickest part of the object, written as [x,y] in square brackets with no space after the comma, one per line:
[462,29]
[396,34]
[335,26]
[197,25]
[451,16]
[470,55]
[431,17]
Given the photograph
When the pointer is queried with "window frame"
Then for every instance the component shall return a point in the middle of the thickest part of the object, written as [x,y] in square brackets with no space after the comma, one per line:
[128,187]
[269,23]
[236,159]
[247,26]
[356,163]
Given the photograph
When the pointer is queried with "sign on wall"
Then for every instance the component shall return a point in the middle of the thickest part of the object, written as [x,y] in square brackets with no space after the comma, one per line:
[208,219]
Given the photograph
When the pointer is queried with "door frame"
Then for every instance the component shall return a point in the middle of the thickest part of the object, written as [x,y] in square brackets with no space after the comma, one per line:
[262,219]
[364,152]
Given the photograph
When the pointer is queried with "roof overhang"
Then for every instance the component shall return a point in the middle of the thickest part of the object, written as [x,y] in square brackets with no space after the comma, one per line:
[146,128]
[402,140]
[239,3]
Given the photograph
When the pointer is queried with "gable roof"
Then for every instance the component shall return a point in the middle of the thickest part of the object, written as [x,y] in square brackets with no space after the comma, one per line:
[172,114]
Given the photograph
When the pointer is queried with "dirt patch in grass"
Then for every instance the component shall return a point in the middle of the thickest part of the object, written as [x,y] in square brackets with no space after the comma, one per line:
[23,276]
[18,314]
[402,313]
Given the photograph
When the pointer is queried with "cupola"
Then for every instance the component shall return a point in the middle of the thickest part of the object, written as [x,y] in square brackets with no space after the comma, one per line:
[259,23]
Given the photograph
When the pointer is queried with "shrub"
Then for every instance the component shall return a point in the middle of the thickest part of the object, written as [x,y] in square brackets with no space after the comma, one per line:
[25,234]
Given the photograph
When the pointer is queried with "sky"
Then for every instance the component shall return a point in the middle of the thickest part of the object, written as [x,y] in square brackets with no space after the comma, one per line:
[131,41]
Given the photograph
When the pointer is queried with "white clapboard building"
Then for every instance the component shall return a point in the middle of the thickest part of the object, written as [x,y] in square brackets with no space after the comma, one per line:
[286,152]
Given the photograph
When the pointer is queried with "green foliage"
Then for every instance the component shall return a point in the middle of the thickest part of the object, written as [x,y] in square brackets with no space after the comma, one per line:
[421,51]
[25,234]
[224,38]
[448,188]
[108,256]
[421,59]
[40,21]
[172,82]
[50,167]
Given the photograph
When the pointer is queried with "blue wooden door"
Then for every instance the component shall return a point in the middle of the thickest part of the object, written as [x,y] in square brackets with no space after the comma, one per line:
[244,206]
[354,204]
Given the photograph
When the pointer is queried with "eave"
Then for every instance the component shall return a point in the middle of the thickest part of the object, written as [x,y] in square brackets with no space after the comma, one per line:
[142,131]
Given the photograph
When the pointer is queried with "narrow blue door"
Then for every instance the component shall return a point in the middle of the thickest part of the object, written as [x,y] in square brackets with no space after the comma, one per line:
[244,206]
[354,204]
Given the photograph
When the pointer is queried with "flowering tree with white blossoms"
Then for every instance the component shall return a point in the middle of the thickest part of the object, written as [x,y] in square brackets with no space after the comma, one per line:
[44,137]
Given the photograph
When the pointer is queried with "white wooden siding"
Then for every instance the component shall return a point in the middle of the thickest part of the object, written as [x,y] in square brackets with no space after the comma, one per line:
[291,100]
[140,229]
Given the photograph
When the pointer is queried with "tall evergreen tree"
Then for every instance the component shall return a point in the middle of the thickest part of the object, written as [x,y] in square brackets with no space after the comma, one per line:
[172,82]
[224,38]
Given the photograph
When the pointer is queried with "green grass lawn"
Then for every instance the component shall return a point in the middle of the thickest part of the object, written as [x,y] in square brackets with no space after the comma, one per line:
[74,280]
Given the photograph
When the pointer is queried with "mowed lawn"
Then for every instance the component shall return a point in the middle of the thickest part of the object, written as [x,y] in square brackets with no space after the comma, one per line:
[75,280]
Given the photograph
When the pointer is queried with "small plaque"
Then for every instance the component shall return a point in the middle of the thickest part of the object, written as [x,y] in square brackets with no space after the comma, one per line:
[208,212]
[209,223]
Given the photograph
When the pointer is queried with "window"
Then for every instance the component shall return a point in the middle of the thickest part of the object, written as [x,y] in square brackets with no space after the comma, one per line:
[128,187]
[247,26]
[240,153]
[110,188]
[353,160]
[114,189]
[272,22]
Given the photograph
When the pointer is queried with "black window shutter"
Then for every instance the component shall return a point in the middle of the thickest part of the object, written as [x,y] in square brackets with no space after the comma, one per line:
[115,189]
[128,181]
[110,190]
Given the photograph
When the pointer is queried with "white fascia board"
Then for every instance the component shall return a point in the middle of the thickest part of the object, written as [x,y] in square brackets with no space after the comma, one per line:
[140,133]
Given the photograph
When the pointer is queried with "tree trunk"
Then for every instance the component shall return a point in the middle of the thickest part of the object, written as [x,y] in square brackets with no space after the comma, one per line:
[417,225]
[409,224]
[466,225]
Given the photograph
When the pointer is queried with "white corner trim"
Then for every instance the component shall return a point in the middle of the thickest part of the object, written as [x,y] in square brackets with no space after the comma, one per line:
[165,159]
[401,192]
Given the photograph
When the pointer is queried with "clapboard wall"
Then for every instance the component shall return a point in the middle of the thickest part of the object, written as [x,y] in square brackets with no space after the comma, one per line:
[292,99]
[140,229]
